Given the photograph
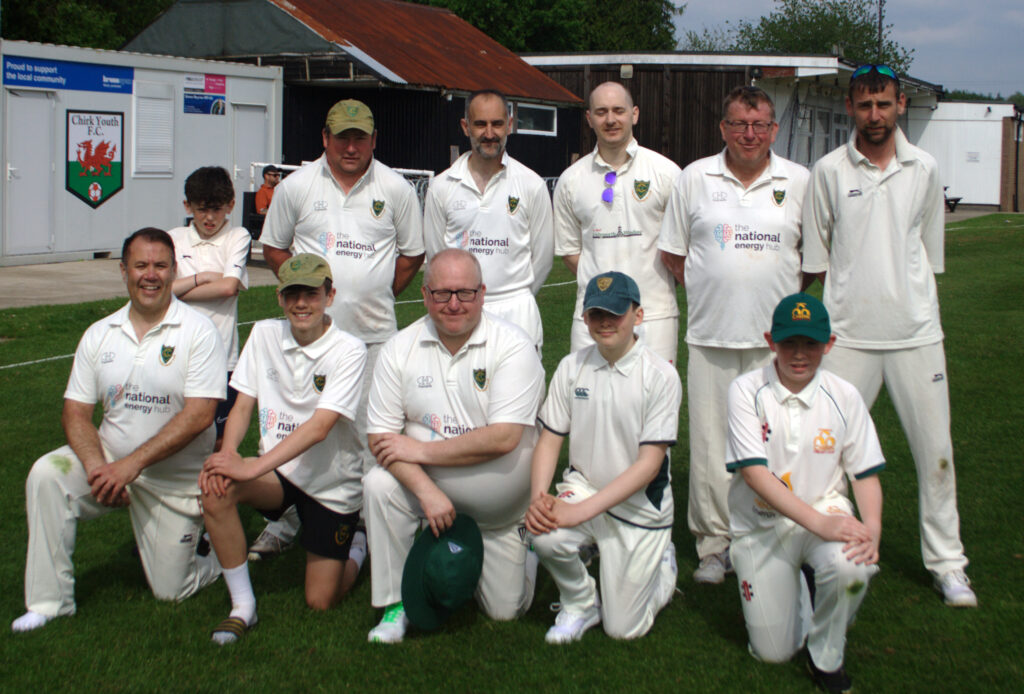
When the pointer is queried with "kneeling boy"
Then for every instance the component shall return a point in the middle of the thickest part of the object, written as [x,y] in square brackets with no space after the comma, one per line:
[305,376]
[795,433]
[618,402]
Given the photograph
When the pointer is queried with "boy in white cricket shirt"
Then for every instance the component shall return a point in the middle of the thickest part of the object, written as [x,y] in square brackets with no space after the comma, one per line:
[618,402]
[796,432]
[211,257]
[305,375]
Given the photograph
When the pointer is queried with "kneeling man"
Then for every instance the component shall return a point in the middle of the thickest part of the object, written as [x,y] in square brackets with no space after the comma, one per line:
[158,368]
[452,423]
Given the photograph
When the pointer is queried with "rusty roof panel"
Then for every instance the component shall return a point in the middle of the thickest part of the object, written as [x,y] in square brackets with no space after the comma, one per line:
[424,45]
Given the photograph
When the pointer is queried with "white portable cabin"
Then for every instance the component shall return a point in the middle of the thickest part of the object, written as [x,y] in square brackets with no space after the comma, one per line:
[98,143]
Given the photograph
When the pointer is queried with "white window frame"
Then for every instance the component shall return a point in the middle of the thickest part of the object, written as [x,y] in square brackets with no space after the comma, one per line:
[152,130]
[539,107]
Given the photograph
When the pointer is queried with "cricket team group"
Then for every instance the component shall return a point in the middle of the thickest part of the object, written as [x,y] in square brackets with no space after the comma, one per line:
[434,449]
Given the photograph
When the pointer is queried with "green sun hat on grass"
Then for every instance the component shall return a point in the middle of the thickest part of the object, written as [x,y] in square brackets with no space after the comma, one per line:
[441,573]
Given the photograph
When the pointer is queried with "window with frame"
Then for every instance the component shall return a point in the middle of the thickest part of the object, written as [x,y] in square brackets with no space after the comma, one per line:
[535,119]
[153,130]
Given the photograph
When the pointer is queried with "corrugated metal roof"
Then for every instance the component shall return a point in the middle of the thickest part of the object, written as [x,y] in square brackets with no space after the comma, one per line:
[423,45]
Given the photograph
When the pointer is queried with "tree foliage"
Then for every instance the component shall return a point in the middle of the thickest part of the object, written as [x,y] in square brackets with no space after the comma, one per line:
[527,26]
[90,23]
[967,95]
[845,27]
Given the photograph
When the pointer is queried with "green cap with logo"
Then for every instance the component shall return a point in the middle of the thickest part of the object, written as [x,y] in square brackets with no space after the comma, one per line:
[303,270]
[613,292]
[801,314]
[441,573]
[349,114]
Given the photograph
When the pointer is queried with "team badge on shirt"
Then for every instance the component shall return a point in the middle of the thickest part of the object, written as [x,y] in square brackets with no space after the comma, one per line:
[778,197]
[377,208]
[166,354]
[641,189]
[824,442]
[318,382]
[480,378]
[513,204]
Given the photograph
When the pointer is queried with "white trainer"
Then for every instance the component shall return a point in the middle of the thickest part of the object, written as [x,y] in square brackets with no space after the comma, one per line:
[713,568]
[956,589]
[392,626]
[267,545]
[29,621]
[569,626]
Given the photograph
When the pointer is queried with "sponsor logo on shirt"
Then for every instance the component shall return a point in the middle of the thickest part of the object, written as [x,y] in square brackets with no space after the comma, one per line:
[719,196]
[319,380]
[766,431]
[617,234]
[166,354]
[513,204]
[114,394]
[377,208]
[778,197]
[138,400]
[425,382]
[938,377]
[343,245]
[854,193]
[743,237]
[459,205]
[582,393]
[480,379]
[107,357]
[641,189]
[432,422]
[281,423]
[320,206]
[326,240]
[450,426]
[748,590]
[273,375]
[268,418]
[477,243]
[824,442]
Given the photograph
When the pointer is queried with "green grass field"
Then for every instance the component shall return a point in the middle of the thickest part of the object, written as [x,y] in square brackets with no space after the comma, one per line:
[904,640]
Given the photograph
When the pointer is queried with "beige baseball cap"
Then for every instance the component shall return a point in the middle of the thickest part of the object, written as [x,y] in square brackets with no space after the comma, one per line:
[303,270]
[348,114]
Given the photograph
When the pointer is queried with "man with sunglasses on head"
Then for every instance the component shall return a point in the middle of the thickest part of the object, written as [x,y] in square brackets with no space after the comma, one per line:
[452,423]
[731,236]
[874,232]
[607,213]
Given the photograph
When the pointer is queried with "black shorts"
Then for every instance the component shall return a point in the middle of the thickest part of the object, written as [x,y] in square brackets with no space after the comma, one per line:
[324,532]
[224,406]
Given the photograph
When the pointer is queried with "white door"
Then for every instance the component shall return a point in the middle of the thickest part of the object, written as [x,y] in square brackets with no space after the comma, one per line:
[29,170]
[250,128]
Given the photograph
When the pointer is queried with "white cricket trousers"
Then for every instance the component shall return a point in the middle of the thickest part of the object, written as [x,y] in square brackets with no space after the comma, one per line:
[768,573]
[638,577]
[166,527]
[518,308]
[393,515]
[661,335]
[918,386]
[709,372]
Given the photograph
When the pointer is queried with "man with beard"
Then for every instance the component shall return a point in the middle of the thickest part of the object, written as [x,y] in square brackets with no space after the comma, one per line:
[491,205]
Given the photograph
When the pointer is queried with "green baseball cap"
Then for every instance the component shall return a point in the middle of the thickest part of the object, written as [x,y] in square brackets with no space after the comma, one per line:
[613,292]
[303,270]
[801,314]
[441,573]
[348,114]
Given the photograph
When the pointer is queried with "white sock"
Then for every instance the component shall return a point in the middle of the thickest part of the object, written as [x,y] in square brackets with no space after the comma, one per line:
[29,621]
[243,602]
[357,550]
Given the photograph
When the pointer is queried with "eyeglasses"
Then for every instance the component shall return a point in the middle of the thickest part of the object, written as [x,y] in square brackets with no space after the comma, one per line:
[443,296]
[883,70]
[608,194]
[739,127]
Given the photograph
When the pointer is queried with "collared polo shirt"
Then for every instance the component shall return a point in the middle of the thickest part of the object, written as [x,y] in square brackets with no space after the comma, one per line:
[359,232]
[608,411]
[507,226]
[224,252]
[809,440]
[291,382]
[621,235]
[742,247]
[142,385]
[879,235]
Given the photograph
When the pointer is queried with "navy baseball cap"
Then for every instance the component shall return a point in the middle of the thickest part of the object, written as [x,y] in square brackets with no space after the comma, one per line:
[801,314]
[613,292]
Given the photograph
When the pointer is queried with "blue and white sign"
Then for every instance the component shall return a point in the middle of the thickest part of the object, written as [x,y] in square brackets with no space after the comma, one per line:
[61,74]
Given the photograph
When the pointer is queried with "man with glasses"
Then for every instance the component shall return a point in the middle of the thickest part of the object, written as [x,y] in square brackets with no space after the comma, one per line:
[452,423]
[731,236]
[497,209]
[607,212]
[271,177]
[874,223]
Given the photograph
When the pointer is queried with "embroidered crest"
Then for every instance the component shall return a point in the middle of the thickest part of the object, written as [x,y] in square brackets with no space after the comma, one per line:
[778,197]
[377,208]
[166,354]
[603,283]
[801,312]
[641,188]
[318,382]
[513,204]
[480,378]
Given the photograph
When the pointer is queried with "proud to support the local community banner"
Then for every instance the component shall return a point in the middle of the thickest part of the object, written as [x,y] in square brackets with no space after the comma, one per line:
[95,143]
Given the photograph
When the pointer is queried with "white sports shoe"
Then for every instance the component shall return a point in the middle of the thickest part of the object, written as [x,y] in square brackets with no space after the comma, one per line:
[392,626]
[956,589]
[267,545]
[713,568]
[569,626]
[29,621]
